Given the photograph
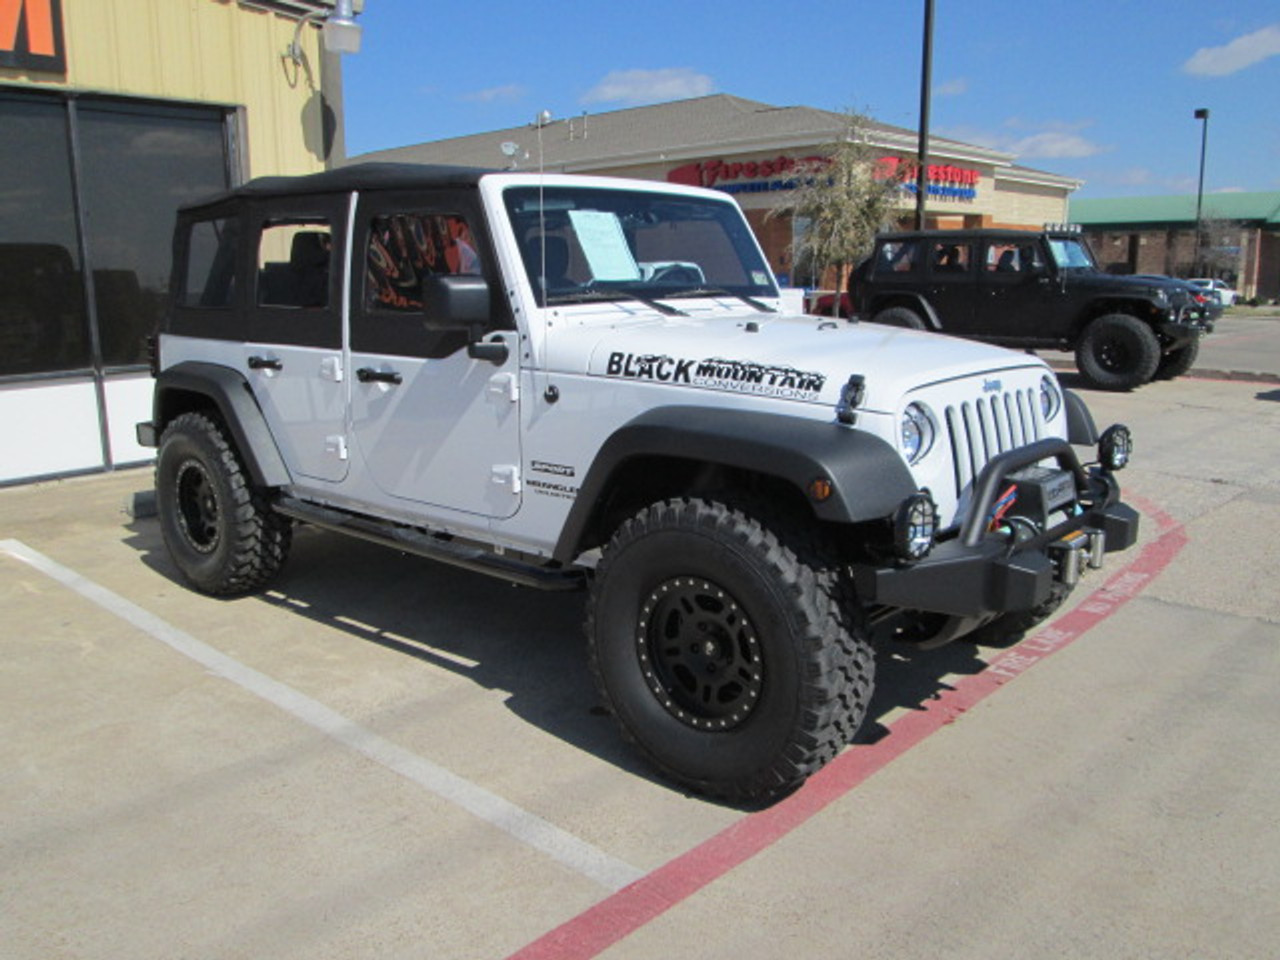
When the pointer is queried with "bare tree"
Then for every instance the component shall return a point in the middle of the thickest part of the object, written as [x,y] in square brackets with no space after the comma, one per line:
[842,199]
[1220,245]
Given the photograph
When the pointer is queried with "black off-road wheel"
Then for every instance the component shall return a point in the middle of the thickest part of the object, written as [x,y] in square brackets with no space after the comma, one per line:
[727,650]
[1178,361]
[900,317]
[1117,352]
[219,529]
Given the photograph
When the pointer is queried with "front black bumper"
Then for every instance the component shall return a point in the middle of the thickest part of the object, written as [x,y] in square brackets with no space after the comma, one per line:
[974,573]
[1185,327]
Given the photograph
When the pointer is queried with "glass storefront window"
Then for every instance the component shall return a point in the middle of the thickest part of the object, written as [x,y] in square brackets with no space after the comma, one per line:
[43,326]
[137,165]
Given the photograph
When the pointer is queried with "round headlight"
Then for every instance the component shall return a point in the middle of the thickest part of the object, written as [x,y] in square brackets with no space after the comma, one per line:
[918,432]
[1050,397]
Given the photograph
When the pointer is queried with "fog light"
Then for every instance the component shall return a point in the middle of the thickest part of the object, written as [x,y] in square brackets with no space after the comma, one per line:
[1115,448]
[914,526]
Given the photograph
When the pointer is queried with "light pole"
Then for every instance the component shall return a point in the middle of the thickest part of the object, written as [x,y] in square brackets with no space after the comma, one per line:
[926,80]
[1200,114]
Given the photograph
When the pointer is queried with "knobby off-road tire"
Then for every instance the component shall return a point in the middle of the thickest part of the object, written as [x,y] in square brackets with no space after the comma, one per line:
[219,529]
[1117,352]
[729,651]
[899,317]
[1177,362]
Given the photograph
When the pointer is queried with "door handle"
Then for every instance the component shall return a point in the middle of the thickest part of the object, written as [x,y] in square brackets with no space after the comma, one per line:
[265,363]
[370,375]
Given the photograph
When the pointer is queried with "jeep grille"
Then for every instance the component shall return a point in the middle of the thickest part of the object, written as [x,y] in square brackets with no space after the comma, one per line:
[981,429]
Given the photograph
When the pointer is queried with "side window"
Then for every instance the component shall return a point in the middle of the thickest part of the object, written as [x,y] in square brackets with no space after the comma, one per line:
[294,264]
[898,257]
[1009,259]
[950,257]
[404,248]
[210,276]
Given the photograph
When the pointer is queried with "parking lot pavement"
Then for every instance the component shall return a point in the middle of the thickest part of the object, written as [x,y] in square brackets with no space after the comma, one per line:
[1242,347]
[383,758]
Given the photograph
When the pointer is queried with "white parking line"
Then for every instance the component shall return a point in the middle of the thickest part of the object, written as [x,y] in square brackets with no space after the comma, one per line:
[524,826]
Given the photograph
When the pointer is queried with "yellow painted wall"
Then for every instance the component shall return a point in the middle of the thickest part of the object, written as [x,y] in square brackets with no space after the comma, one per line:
[202,51]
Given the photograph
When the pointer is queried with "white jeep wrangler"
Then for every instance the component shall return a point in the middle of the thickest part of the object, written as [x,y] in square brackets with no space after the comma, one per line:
[571,381]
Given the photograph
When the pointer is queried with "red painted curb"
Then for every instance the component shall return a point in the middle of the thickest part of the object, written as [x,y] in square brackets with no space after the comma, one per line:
[609,921]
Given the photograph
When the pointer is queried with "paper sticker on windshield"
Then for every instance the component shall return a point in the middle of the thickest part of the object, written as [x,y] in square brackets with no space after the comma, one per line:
[759,278]
[605,245]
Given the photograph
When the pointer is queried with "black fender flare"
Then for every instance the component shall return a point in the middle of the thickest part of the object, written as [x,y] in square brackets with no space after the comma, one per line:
[228,390]
[1081,429]
[868,477]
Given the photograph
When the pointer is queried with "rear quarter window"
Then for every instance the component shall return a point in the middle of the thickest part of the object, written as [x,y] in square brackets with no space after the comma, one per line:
[209,280]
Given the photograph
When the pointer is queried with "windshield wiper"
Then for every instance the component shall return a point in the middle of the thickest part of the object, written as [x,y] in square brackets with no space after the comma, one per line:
[721,292]
[600,296]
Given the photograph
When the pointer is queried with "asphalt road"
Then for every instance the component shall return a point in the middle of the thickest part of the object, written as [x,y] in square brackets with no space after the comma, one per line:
[1243,345]
[386,758]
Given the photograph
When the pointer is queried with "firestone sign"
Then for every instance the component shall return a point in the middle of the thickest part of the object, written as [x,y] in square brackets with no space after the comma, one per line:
[779,173]
[31,35]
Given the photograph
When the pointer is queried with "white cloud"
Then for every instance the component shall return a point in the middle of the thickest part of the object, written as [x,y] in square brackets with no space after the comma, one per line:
[1051,140]
[1054,144]
[1235,56]
[649,86]
[952,88]
[511,91]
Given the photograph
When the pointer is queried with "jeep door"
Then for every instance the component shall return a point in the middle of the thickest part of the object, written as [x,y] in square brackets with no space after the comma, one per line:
[431,425]
[1019,303]
[951,284]
[293,349]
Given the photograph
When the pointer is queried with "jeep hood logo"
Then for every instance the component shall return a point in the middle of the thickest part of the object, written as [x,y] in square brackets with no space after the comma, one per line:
[739,376]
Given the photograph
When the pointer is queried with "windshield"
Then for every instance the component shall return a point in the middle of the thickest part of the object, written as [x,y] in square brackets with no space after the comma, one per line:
[1068,254]
[582,244]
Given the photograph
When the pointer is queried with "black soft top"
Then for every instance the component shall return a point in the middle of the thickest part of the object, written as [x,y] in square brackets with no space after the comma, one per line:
[358,176]
[984,233]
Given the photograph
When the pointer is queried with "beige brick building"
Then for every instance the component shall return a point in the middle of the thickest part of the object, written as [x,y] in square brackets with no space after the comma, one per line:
[746,148]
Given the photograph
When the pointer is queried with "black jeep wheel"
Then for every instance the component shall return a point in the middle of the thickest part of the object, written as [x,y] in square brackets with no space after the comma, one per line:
[723,649]
[1178,361]
[899,317]
[1117,352]
[219,529]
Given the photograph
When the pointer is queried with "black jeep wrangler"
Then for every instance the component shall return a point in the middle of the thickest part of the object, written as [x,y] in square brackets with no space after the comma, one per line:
[1033,291]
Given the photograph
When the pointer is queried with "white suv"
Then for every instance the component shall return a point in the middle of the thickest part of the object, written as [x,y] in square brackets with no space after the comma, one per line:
[588,382]
[1226,295]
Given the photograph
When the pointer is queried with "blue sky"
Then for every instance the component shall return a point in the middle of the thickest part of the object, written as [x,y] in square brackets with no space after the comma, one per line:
[1099,90]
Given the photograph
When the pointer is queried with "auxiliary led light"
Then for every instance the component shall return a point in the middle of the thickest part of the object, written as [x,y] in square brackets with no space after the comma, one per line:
[914,527]
[1115,448]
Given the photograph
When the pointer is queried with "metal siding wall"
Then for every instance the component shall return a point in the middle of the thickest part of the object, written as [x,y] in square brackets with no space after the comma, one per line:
[204,51]
[191,51]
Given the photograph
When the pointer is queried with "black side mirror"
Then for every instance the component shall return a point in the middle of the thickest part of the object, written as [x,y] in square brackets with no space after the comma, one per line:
[455,302]
[462,303]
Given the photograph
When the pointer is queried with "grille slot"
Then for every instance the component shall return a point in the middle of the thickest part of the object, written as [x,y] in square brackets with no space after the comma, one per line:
[981,429]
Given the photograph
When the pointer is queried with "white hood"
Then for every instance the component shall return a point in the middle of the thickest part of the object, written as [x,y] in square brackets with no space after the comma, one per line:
[794,357]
